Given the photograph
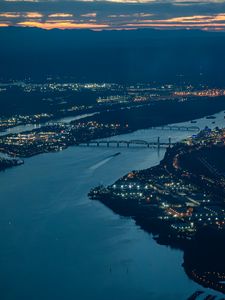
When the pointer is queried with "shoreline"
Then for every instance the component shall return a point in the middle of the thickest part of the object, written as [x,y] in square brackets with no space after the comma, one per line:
[123,132]
[95,126]
[161,200]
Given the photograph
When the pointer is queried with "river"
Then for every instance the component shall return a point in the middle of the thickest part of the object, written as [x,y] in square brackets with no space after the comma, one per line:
[29,127]
[58,244]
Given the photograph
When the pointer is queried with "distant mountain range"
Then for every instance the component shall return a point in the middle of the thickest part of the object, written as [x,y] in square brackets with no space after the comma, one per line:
[114,56]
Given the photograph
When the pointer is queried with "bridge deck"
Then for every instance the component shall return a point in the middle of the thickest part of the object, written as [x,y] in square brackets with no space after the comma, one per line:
[122,143]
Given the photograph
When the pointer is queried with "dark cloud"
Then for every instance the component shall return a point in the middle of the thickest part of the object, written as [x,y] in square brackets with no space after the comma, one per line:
[114,14]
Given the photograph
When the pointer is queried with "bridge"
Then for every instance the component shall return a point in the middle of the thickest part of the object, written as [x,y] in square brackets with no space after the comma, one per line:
[123,143]
[176,128]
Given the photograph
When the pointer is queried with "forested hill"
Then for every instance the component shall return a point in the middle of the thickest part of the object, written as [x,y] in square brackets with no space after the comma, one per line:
[115,56]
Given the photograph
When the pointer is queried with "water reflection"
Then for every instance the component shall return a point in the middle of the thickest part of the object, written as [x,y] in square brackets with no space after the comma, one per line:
[58,244]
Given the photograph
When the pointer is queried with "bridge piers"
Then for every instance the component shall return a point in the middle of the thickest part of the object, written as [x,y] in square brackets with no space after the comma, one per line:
[119,143]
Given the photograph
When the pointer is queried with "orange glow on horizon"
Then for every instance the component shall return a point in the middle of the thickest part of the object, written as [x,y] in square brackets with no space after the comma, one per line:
[119,21]
[4,25]
[62,25]
[10,15]
[33,15]
[177,25]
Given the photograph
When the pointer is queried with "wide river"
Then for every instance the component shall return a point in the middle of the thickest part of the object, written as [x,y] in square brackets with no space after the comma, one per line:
[58,244]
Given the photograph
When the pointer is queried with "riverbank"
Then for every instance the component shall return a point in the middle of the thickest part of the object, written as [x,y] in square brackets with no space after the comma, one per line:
[162,113]
[47,220]
[9,163]
[33,126]
[59,136]
[171,202]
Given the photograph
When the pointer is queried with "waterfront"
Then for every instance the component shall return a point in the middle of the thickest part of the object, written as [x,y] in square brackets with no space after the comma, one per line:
[151,135]
[29,127]
[57,242]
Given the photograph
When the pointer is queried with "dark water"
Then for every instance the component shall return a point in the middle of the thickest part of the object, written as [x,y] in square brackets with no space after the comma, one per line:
[58,244]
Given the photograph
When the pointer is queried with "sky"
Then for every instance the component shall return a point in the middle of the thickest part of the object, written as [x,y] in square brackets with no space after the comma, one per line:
[114,14]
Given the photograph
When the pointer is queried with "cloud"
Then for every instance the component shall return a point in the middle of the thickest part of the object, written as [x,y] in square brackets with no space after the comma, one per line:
[60,15]
[114,14]
[66,24]
[9,15]
[89,15]
[4,25]
[33,15]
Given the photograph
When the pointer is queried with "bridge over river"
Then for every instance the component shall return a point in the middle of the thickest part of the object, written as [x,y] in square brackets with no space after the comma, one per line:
[177,128]
[141,143]
[123,143]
